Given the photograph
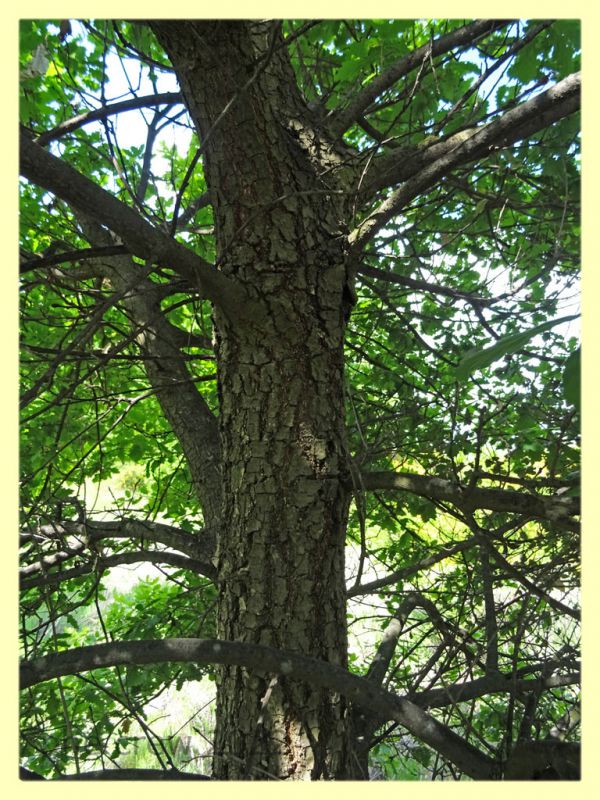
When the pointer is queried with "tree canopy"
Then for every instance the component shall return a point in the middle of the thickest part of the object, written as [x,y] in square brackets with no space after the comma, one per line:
[427,173]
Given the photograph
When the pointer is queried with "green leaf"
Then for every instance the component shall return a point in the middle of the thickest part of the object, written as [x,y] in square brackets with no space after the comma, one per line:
[422,754]
[572,379]
[476,359]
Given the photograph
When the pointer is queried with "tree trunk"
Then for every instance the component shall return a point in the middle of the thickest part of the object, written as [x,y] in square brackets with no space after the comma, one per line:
[281,388]
[281,549]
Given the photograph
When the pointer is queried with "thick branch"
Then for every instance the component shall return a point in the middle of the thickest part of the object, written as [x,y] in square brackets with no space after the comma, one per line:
[490,684]
[101,564]
[544,760]
[266,659]
[401,164]
[553,508]
[130,774]
[199,546]
[435,162]
[43,262]
[185,408]
[403,66]
[141,238]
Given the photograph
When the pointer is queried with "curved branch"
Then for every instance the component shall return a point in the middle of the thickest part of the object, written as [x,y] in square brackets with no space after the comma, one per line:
[198,549]
[141,238]
[130,774]
[361,692]
[184,407]
[43,262]
[102,564]
[70,125]
[200,546]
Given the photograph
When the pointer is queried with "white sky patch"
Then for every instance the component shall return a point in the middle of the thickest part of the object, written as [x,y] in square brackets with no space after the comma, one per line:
[132,127]
[124,80]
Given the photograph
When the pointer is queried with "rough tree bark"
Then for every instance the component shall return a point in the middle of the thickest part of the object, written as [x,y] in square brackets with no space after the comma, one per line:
[284,463]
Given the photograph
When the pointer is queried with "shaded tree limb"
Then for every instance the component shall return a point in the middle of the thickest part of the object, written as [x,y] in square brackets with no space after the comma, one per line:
[141,238]
[403,163]
[27,775]
[192,209]
[85,254]
[545,760]
[129,774]
[364,722]
[259,657]
[486,569]
[490,684]
[387,646]
[142,187]
[184,407]
[108,562]
[199,546]
[46,562]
